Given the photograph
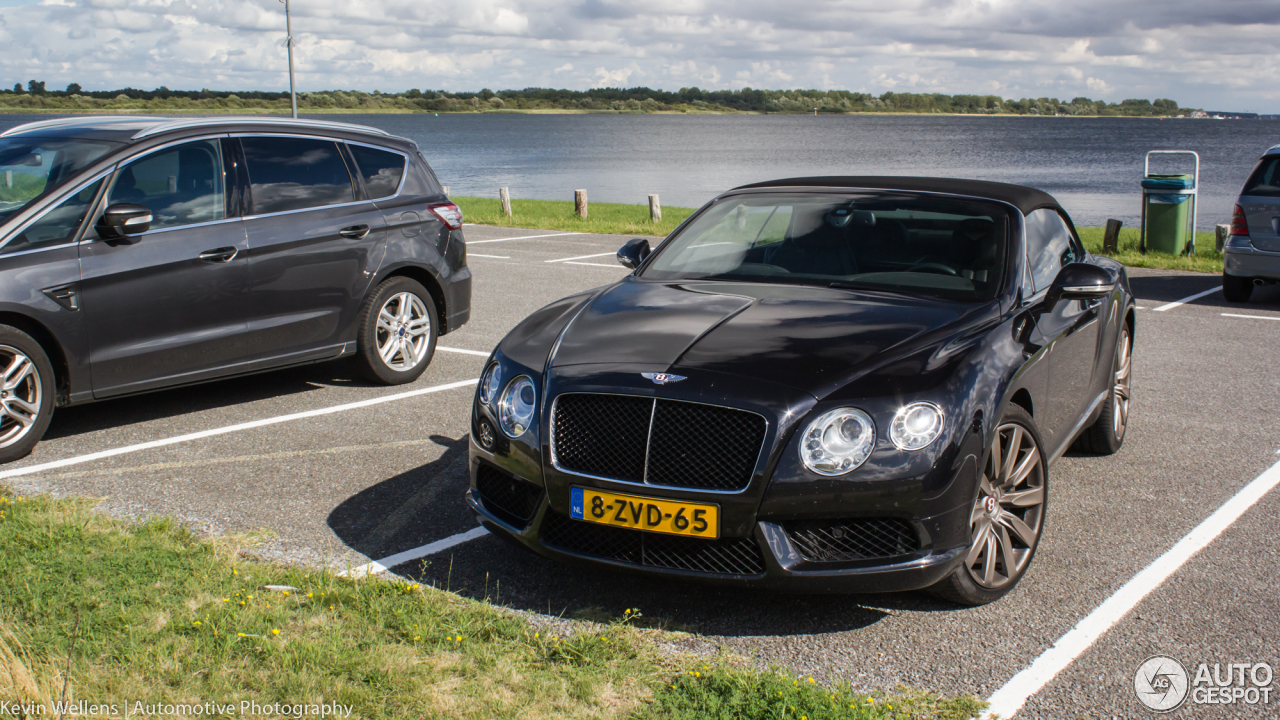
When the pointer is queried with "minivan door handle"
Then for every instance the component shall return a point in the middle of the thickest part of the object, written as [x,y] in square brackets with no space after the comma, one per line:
[355,231]
[219,255]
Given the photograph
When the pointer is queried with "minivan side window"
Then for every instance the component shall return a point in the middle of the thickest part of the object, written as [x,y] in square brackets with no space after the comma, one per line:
[380,169]
[1050,246]
[287,173]
[1265,180]
[57,226]
[181,185]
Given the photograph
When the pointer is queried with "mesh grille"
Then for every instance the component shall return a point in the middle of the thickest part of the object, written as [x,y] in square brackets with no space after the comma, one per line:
[861,539]
[692,445]
[603,435]
[703,446]
[726,556]
[514,501]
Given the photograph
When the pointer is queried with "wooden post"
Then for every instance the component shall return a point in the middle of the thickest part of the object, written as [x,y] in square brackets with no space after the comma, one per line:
[1111,238]
[1221,233]
[505,197]
[580,203]
[445,188]
[655,209]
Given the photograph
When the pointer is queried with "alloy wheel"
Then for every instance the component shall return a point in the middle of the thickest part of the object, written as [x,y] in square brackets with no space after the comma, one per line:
[1120,389]
[403,331]
[1008,515]
[21,393]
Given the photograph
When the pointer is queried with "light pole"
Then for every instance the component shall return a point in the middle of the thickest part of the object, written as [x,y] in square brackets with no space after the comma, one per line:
[288,31]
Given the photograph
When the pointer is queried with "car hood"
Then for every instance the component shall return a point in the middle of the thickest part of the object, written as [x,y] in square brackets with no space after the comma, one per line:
[813,339]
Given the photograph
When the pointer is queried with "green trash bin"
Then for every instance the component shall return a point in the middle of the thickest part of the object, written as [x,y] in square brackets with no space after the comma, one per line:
[1168,213]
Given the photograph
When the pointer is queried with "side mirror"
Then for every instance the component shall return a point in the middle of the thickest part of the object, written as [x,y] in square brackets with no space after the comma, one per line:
[633,252]
[1080,281]
[122,221]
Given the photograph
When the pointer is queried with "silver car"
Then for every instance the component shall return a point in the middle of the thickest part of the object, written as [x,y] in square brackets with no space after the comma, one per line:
[1252,253]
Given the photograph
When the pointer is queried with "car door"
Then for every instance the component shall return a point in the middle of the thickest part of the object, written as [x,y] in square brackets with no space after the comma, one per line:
[314,244]
[168,306]
[1069,327]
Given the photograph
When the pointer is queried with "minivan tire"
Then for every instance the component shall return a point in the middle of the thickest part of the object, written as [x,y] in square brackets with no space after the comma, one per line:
[395,293]
[35,387]
[1236,289]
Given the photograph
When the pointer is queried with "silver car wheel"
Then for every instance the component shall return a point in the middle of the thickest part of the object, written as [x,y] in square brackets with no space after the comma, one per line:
[1008,515]
[403,331]
[21,393]
[1120,390]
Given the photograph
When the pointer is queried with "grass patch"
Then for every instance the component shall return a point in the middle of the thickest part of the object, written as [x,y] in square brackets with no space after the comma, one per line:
[117,613]
[621,219]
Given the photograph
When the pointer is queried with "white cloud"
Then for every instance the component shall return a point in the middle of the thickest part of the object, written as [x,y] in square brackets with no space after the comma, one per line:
[1218,54]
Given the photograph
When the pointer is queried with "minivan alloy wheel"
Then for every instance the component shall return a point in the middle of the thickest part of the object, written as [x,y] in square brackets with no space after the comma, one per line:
[21,393]
[1008,515]
[1123,381]
[404,329]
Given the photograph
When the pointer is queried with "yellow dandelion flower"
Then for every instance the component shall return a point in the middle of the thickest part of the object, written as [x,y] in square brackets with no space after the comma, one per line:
[240,635]
[697,674]
[810,678]
[413,586]
[627,611]
[330,607]
[286,592]
[275,631]
[459,638]
[309,594]
[416,638]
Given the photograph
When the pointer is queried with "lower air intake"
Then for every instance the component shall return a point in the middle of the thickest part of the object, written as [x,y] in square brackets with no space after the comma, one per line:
[846,540]
[511,500]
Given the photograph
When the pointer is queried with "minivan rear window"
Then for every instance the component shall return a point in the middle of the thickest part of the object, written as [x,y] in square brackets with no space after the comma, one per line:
[295,174]
[1265,180]
[380,169]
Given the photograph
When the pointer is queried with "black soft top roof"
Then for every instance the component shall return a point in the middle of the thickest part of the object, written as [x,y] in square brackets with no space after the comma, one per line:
[1024,198]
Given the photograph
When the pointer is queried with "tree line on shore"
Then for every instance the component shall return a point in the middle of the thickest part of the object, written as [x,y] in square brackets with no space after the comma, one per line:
[634,100]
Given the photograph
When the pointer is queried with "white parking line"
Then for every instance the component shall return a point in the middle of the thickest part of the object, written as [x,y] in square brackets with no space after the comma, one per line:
[580,257]
[386,563]
[1187,299]
[495,257]
[1251,317]
[615,267]
[522,237]
[1009,699]
[460,350]
[33,469]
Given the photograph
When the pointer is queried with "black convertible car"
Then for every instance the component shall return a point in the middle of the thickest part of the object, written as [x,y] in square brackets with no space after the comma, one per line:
[822,384]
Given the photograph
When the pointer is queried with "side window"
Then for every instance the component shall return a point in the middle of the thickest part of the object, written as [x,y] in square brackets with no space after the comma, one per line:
[288,173]
[181,185]
[56,226]
[1049,247]
[380,169]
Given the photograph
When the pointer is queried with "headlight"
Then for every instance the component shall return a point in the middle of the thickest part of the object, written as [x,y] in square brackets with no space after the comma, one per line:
[838,441]
[915,426]
[489,384]
[516,406]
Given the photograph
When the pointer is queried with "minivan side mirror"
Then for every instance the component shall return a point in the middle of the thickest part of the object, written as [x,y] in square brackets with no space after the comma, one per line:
[1080,281]
[123,221]
[633,252]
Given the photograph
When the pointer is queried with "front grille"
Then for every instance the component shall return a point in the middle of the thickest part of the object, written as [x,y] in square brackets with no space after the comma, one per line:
[656,441]
[511,500]
[726,556]
[860,539]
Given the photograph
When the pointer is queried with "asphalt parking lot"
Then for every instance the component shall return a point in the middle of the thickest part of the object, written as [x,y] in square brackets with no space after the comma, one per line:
[344,473]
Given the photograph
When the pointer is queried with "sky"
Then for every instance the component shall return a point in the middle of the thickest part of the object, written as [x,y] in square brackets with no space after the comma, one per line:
[1212,54]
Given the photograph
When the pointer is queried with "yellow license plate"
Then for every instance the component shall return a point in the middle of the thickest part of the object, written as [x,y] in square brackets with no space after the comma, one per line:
[645,513]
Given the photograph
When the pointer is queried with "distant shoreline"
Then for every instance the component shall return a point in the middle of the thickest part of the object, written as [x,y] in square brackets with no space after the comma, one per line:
[567,111]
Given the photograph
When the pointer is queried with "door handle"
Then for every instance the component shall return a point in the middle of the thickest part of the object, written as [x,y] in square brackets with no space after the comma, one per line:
[355,231]
[219,255]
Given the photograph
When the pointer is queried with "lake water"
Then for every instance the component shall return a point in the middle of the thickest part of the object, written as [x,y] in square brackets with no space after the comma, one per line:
[1092,165]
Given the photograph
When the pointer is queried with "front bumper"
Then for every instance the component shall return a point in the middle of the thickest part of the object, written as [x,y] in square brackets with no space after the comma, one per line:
[1251,263]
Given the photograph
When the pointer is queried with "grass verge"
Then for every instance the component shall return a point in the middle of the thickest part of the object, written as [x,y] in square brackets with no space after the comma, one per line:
[101,611]
[620,219]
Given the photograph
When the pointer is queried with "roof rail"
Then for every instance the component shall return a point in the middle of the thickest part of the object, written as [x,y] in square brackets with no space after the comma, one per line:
[205,121]
[75,120]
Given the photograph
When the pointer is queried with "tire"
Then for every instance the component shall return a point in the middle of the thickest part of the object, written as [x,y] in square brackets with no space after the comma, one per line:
[408,313]
[27,392]
[1236,289]
[1106,435]
[1007,519]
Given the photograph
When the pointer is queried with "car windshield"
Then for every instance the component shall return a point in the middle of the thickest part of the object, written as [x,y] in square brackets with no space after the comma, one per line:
[1265,180]
[33,167]
[898,242]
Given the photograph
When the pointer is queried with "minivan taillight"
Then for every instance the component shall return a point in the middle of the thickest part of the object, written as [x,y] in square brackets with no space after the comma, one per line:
[449,214]
[1239,225]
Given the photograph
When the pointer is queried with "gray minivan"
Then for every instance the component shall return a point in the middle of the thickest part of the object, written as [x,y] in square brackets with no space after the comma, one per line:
[1252,253]
[145,253]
